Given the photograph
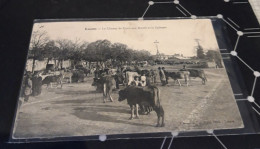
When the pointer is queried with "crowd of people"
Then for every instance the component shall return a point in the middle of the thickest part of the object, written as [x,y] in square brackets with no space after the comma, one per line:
[149,77]
[31,85]
[32,82]
[143,77]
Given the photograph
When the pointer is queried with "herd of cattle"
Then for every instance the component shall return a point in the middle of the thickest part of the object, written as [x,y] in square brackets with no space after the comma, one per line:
[58,77]
[145,97]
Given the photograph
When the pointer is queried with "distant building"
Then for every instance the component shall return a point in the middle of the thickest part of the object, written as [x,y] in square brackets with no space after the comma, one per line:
[180,56]
[166,57]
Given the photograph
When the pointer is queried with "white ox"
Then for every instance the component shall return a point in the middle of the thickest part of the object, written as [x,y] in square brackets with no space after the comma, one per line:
[130,77]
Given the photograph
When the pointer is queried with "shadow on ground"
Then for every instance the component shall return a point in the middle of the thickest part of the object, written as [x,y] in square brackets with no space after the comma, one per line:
[95,113]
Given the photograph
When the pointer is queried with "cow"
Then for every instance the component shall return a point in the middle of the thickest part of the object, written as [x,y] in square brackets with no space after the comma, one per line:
[86,71]
[107,82]
[112,71]
[176,75]
[119,78]
[78,75]
[145,72]
[99,73]
[105,85]
[67,75]
[198,73]
[43,75]
[130,77]
[51,79]
[83,69]
[96,79]
[144,96]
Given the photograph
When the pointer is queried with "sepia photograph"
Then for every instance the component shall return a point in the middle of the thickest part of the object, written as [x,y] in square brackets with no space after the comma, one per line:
[85,78]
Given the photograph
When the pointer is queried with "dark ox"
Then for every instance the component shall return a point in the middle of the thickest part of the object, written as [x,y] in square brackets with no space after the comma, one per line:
[178,75]
[104,84]
[53,79]
[145,72]
[144,96]
[198,74]
[119,78]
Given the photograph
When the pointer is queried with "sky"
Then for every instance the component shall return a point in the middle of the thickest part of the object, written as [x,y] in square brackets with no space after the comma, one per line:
[174,36]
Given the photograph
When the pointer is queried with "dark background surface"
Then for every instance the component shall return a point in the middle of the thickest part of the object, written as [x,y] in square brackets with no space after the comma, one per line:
[16,21]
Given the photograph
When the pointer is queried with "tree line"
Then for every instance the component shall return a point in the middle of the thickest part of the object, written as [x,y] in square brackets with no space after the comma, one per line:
[100,51]
[210,55]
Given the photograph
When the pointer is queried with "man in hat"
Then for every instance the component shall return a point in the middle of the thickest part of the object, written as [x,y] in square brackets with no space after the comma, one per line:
[143,80]
[36,84]
[162,76]
[153,76]
[183,68]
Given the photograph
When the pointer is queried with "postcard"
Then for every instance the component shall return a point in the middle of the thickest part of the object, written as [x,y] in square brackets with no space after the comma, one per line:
[86,78]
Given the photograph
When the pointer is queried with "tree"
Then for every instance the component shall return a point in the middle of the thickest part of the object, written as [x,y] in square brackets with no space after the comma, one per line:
[38,41]
[142,55]
[98,51]
[49,49]
[64,51]
[214,55]
[79,52]
[200,52]
[125,55]
[103,52]
[76,51]
[118,53]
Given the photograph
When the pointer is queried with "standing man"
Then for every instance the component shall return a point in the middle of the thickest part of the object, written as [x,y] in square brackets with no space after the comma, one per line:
[119,78]
[39,84]
[96,71]
[143,80]
[162,76]
[183,68]
[27,86]
[34,84]
[166,78]
[154,76]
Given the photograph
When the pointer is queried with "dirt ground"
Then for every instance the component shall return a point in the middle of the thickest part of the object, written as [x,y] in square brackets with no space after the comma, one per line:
[77,110]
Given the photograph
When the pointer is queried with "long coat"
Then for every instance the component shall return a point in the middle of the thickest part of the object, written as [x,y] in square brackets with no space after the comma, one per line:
[28,87]
[162,75]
